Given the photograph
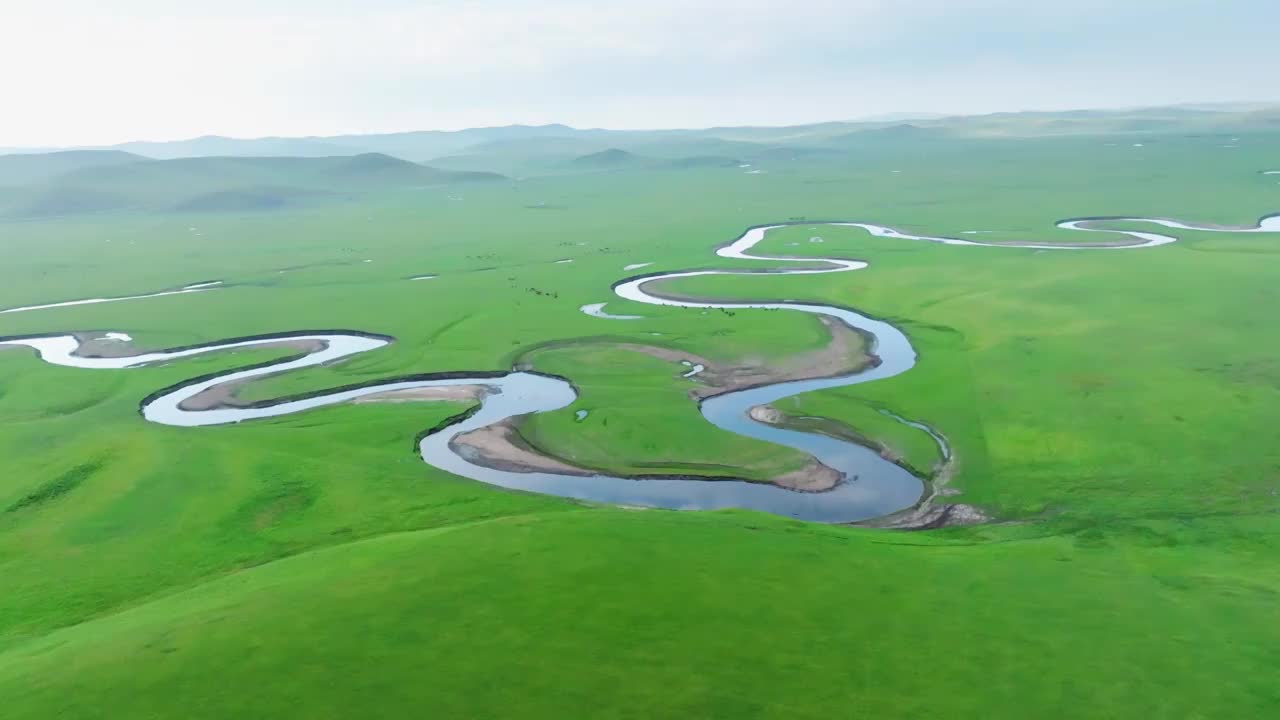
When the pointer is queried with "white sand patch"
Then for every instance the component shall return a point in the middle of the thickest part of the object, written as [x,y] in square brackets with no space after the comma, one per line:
[597,310]
[694,368]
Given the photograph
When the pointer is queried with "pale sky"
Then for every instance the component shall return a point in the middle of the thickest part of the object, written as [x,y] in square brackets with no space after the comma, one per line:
[96,72]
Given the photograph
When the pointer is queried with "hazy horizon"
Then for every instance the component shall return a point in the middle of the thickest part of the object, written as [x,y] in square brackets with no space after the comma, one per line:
[142,71]
[903,117]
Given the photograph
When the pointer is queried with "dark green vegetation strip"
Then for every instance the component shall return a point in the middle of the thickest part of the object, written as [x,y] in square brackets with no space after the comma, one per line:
[56,488]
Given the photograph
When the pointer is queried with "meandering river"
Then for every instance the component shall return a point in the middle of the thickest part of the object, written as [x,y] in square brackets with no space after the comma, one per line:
[872,486]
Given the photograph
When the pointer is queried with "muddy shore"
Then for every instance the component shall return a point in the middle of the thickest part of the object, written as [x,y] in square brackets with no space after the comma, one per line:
[502,447]
[928,513]
[225,395]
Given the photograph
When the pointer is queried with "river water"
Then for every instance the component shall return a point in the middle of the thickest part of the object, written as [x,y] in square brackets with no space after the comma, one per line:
[872,486]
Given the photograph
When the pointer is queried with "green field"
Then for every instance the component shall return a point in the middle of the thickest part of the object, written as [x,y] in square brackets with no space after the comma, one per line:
[1115,413]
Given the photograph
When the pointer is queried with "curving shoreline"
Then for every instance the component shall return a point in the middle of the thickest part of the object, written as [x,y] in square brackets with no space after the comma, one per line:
[732,411]
[866,485]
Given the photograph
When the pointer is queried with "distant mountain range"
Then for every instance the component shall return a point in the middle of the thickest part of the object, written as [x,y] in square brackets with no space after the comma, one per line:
[426,145]
[408,145]
[88,181]
[216,174]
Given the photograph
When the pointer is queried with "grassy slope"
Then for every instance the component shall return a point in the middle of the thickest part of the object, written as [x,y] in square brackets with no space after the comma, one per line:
[1140,583]
[656,614]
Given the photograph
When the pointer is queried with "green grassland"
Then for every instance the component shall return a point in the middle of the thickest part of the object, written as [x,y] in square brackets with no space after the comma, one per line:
[1115,412]
[630,398]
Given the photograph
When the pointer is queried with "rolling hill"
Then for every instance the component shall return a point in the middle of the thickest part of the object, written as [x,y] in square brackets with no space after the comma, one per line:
[209,184]
[611,159]
[25,169]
